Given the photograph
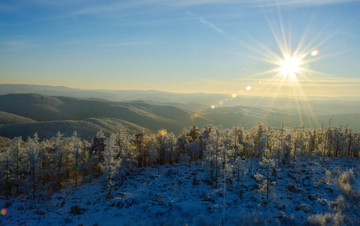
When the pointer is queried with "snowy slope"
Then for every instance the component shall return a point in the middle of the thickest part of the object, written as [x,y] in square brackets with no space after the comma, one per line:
[307,191]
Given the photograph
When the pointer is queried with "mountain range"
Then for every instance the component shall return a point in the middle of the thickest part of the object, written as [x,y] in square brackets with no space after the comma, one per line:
[23,114]
[198,101]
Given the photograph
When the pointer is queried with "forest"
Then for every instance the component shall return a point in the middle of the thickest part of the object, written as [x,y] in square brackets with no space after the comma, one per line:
[228,158]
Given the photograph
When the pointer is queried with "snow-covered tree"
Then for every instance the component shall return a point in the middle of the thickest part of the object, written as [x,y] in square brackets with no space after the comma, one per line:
[239,169]
[16,150]
[111,163]
[126,155]
[6,166]
[267,164]
[239,139]
[141,153]
[32,149]
[75,151]
[58,159]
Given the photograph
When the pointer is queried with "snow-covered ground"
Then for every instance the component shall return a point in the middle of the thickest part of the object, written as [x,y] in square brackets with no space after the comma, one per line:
[181,195]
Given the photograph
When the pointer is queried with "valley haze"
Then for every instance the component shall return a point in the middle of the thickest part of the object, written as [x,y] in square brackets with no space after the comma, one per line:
[47,109]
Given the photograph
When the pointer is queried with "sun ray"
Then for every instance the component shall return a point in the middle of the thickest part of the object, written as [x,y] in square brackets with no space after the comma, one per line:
[291,75]
[268,72]
[290,68]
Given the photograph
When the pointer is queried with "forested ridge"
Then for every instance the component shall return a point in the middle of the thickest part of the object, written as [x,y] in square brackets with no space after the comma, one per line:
[38,168]
[52,163]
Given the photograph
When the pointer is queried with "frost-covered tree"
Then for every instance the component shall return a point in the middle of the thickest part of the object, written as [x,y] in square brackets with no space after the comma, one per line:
[181,146]
[32,149]
[194,142]
[17,154]
[226,154]
[328,140]
[126,154]
[110,164]
[58,159]
[349,142]
[239,139]
[249,150]
[267,164]
[140,144]
[75,151]
[257,134]
[150,151]
[193,134]
[286,149]
[153,153]
[169,141]
[240,169]
[203,141]
[209,154]
[6,166]
[98,145]
[193,151]
[46,165]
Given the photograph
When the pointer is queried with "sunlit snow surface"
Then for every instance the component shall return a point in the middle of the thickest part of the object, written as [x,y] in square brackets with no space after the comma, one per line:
[179,195]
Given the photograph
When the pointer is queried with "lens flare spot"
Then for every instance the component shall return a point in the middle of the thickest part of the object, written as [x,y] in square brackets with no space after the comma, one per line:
[194,116]
[314,52]
[3,211]
[234,95]
[162,132]
[212,106]
[248,88]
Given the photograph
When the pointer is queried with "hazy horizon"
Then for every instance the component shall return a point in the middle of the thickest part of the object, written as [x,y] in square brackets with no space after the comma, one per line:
[230,95]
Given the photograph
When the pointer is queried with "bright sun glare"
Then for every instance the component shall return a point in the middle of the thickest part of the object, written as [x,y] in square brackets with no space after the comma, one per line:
[289,67]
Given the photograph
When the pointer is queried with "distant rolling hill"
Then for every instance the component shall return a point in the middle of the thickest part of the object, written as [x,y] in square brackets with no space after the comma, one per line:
[352,120]
[198,101]
[85,129]
[8,118]
[191,101]
[249,116]
[66,113]
[26,114]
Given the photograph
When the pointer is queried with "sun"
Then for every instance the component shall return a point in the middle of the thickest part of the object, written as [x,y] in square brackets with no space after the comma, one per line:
[290,66]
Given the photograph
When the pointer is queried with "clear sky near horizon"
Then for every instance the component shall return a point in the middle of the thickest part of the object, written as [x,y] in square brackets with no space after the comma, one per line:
[215,46]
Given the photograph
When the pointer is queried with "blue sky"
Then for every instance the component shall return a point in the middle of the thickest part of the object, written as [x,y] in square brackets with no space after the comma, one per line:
[214,46]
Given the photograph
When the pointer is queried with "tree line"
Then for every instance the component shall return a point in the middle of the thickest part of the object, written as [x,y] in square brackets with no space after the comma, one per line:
[38,168]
